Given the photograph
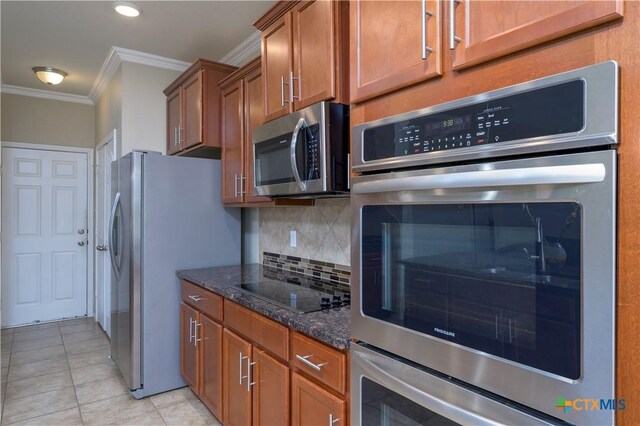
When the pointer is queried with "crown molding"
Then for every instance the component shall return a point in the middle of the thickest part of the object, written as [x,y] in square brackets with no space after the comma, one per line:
[244,52]
[45,94]
[117,55]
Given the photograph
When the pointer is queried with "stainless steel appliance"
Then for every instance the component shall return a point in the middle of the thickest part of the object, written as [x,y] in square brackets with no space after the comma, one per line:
[167,215]
[304,154]
[498,267]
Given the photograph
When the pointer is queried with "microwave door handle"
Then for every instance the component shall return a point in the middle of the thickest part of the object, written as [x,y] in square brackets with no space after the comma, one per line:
[294,163]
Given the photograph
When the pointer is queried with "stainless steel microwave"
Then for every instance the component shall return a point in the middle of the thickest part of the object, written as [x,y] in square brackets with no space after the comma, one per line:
[304,154]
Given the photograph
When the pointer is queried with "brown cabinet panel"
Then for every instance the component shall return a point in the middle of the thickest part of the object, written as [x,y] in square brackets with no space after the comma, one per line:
[271,390]
[254,116]
[188,350]
[314,52]
[331,362]
[393,45]
[236,396]
[492,29]
[173,122]
[311,405]
[232,143]
[263,331]
[276,65]
[210,365]
[192,125]
[203,300]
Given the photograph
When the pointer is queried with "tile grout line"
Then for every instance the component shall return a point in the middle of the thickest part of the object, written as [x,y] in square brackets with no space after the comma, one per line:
[73,383]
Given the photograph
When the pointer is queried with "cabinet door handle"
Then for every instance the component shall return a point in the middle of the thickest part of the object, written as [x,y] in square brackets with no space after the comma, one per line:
[243,179]
[242,358]
[180,134]
[249,382]
[292,97]
[195,297]
[304,359]
[235,185]
[425,49]
[190,329]
[282,99]
[195,333]
[240,368]
[332,421]
[453,39]
[175,136]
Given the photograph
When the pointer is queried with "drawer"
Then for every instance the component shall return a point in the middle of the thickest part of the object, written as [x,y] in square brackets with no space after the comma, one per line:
[259,329]
[203,300]
[320,361]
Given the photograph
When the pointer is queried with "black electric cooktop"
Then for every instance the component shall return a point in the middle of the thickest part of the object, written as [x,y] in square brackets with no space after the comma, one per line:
[297,292]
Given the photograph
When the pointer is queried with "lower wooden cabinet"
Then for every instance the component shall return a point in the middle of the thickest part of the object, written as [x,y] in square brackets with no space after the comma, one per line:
[312,405]
[249,370]
[256,385]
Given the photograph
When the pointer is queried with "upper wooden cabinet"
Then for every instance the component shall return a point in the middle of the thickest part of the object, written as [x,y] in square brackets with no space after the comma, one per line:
[304,47]
[481,30]
[193,108]
[393,44]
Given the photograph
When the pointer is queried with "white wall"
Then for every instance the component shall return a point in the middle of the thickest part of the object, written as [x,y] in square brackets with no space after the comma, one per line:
[46,121]
[109,109]
[144,111]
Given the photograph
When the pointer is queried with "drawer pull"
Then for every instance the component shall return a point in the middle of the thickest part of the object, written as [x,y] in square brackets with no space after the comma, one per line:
[304,359]
[332,420]
[195,297]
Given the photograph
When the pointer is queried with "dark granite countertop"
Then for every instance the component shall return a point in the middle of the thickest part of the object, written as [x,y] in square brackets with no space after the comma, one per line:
[331,326]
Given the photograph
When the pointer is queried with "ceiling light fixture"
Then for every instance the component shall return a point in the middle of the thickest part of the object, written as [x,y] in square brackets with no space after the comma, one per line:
[49,75]
[126,9]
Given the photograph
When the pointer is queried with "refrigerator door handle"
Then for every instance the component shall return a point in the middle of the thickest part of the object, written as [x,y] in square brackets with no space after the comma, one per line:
[114,237]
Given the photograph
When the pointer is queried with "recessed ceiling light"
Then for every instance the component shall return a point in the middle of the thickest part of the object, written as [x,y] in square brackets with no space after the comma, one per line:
[49,75]
[126,9]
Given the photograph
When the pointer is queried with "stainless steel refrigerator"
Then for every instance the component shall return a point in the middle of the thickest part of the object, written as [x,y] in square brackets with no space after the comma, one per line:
[167,215]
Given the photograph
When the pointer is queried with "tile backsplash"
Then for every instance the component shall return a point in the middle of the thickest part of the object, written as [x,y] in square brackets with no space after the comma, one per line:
[323,231]
[323,270]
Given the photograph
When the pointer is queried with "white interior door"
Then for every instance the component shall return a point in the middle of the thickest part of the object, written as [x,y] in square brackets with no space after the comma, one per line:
[45,235]
[104,157]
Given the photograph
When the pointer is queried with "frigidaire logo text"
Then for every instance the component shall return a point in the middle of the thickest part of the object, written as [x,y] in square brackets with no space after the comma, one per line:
[589,404]
[445,332]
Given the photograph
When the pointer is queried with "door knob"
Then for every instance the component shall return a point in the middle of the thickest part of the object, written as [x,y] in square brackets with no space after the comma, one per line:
[101,248]
[80,243]
[80,231]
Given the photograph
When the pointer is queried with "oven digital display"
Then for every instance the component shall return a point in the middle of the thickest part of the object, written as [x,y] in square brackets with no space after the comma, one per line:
[548,111]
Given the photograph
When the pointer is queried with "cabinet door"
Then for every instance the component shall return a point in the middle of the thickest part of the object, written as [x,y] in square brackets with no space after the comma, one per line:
[314,52]
[312,405]
[173,122]
[211,365]
[276,66]
[192,106]
[491,29]
[188,348]
[271,390]
[232,143]
[393,44]
[236,394]
[254,117]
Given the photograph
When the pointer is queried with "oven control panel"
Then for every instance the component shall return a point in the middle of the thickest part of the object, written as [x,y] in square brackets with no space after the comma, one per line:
[548,111]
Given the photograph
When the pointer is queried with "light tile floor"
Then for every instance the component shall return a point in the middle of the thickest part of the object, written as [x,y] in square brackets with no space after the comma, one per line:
[60,374]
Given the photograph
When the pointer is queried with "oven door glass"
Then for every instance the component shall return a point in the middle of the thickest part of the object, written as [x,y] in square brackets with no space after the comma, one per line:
[501,278]
[383,407]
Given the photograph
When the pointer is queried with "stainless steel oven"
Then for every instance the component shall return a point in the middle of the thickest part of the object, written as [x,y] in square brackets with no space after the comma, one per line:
[486,251]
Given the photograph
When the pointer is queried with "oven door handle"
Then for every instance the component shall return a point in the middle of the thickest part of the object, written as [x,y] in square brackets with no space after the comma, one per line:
[294,162]
[549,175]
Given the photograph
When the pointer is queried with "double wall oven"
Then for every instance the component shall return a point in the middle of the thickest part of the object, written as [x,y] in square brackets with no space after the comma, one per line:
[484,256]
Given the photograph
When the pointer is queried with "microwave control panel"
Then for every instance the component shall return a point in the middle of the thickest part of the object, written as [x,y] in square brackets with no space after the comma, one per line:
[311,138]
[547,111]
